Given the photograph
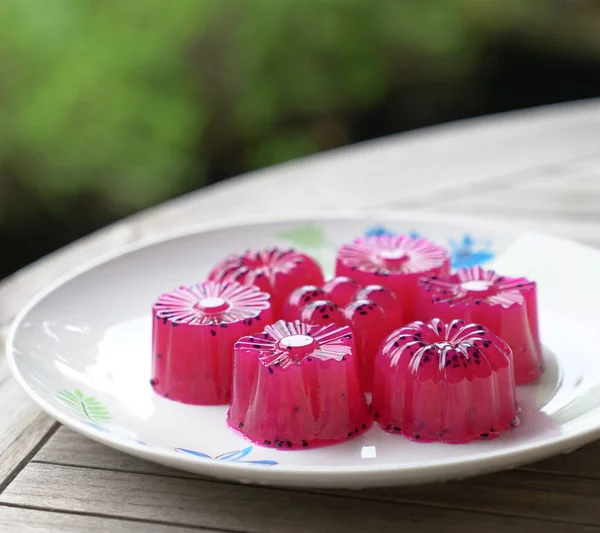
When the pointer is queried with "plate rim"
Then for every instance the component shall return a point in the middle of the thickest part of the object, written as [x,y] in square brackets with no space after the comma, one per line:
[339,476]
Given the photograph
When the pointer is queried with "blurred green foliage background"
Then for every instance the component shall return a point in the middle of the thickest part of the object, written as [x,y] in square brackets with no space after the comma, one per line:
[107,107]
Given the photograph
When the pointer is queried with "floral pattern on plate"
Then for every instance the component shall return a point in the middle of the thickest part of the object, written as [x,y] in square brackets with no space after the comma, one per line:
[236,456]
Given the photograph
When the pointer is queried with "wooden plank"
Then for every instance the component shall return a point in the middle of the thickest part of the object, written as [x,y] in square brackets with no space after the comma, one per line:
[584,462]
[536,491]
[516,493]
[22,426]
[22,520]
[68,448]
[244,508]
[569,197]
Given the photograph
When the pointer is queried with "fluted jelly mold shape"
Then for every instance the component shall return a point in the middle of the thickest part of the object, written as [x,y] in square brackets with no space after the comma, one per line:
[450,382]
[194,330]
[296,385]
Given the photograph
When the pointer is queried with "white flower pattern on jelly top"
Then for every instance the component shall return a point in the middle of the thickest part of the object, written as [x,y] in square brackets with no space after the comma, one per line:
[286,343]
[455,345]
[272,270]
[392,254]
[193,333]
[212,302]
[476,284]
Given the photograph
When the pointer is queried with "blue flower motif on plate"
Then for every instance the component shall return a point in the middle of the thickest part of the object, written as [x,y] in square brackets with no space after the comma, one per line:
[469,252]
[380,231]
[229,457]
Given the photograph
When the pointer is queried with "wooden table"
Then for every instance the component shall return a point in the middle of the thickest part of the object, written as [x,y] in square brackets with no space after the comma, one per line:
[539,168]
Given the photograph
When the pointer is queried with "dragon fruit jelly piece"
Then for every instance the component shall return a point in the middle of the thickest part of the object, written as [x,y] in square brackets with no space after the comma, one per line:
[505,305]
[370,325]
[296,385]
[322,313]
[276,271]
[450,382]
[397,262]
[386,299]
[193,333]
[299,298]
[341,290]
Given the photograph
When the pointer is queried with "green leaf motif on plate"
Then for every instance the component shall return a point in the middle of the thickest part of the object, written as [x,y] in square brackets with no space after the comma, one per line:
[87,407]
[312,240]
[309,237]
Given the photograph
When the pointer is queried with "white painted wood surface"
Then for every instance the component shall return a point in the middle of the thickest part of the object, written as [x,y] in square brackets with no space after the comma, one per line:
[539,168]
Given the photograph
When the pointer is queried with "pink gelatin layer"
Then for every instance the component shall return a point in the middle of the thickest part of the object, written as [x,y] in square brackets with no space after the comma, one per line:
[295,385]
[447,382]
[372,312]
[272,270]
[507,306]
[396,262]
[193,333]
[370,324]
[299,298]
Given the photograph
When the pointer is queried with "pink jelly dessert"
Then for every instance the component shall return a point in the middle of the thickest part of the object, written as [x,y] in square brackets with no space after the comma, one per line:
[372,312]
[397,262]
[295,385]
[275,271]
[193,334]
[450,382]
[507,306]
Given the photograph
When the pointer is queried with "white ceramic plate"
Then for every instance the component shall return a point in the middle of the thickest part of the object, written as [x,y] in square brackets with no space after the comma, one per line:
[81,350]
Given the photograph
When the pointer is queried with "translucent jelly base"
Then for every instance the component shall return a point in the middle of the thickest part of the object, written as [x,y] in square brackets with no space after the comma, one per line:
[296,386]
